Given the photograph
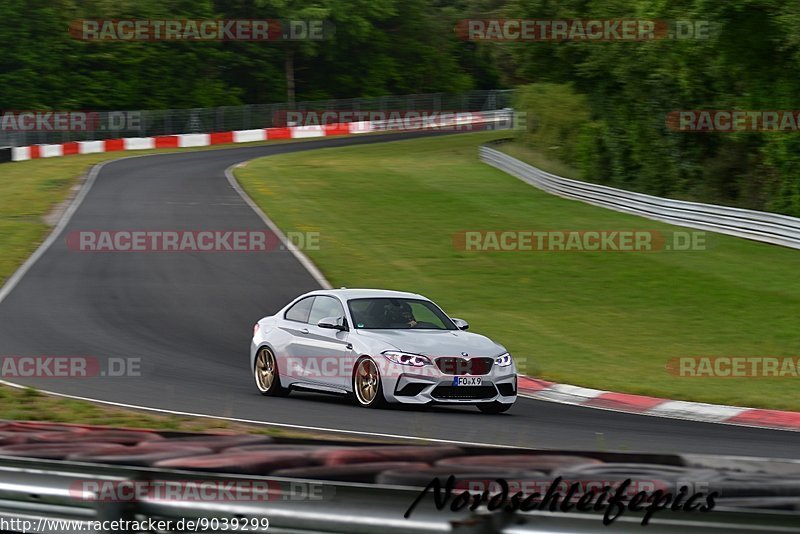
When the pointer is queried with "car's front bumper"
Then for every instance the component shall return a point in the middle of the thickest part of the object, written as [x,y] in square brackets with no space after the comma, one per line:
[429,386]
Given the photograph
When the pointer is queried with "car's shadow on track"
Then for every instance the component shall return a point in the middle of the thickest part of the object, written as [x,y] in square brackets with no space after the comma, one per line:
[341,400]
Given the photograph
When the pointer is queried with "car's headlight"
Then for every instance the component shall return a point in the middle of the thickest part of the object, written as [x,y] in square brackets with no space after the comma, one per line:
[504,360]
[404,358]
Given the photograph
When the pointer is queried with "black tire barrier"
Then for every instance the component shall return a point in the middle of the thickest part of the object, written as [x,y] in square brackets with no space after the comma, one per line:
[35,427]
[248,463]
[120,437]
[364,473]
[398,453]
[625,468]
[57,451]
[12,438]
[143,455]
[646,477]
[535,462]
[287,447]
[222,442]
[5,154]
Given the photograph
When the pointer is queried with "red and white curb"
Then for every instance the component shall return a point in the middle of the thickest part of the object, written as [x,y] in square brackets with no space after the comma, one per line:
[460,122]
[643,405]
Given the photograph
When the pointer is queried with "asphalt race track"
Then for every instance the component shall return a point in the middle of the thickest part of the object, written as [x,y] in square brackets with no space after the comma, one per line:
[189,317]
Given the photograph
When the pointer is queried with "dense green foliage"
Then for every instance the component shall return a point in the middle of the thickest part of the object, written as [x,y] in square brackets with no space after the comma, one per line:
[380,47]
[749,62]
[604,111]
[556,117]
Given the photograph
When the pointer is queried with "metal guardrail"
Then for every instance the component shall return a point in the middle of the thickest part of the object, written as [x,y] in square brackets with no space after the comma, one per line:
[34,490]
[230,118]
[756,225]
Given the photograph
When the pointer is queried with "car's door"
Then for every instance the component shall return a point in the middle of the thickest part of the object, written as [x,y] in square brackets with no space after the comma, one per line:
[291,362]
[327,349]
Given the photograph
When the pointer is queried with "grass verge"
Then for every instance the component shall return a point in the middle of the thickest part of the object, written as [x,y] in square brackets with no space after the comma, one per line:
[387,215]
[28,404]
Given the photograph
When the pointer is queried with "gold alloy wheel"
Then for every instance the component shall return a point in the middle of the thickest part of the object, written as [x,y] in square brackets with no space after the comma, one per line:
[367,382]
[265,369]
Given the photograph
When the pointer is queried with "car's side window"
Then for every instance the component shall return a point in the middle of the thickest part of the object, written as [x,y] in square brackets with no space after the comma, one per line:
[325,307]
[300,310]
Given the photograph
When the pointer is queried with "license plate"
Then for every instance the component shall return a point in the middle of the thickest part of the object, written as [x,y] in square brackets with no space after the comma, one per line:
[466,381]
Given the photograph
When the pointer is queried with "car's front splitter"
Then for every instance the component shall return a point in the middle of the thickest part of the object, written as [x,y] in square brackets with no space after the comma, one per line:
[409,388]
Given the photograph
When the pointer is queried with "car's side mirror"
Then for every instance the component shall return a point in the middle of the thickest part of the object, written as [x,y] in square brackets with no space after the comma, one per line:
[333,323]
[461,324]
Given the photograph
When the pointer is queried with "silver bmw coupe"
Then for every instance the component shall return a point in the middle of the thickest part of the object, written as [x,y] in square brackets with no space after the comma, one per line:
[378,347]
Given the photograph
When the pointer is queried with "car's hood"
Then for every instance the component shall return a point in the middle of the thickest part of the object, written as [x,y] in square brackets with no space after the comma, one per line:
[435,342]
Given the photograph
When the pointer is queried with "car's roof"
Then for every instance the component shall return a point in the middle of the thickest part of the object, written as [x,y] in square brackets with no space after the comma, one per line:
[347,293]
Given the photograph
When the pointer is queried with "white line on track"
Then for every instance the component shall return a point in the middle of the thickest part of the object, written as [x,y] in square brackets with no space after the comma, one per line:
[301,257]
[262,423]
[54,235]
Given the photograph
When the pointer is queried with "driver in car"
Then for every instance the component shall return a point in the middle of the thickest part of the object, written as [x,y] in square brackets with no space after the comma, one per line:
[400,314]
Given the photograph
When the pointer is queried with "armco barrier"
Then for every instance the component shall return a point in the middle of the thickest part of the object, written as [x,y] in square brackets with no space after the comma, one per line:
[466,121]
[756,225]
[298,485]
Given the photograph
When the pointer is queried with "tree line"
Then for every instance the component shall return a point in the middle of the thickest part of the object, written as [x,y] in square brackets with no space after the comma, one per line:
[606,101]
[379,47]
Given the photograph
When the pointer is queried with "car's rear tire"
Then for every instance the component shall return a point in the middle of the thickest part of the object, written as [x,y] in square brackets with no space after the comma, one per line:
[367,384]
[265,372]
[494,407]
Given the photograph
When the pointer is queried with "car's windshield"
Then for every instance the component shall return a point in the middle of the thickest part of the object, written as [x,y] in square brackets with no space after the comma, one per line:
[398,314]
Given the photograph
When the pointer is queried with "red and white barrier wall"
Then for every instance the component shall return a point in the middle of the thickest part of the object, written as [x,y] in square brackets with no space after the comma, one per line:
[461,122]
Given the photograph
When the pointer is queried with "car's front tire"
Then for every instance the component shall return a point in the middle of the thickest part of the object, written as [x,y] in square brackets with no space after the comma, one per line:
[265,372]
[367,384]
[494,407]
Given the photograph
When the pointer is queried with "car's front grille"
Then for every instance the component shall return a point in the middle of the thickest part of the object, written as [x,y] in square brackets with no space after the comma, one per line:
[464,392]
[464,366]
